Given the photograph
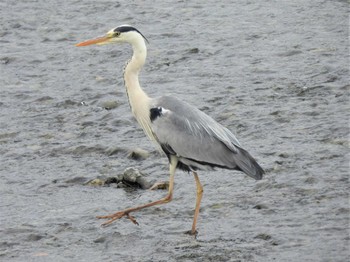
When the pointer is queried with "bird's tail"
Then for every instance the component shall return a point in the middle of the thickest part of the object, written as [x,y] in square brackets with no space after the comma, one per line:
[246,163]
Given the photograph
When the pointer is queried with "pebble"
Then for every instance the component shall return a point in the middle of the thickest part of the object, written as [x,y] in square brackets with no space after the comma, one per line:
[138,154]
[131,177]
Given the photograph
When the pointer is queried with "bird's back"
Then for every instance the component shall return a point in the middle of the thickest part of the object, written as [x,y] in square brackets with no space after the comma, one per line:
[198,140]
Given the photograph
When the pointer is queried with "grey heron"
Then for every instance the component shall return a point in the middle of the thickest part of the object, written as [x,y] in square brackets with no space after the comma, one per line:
[190,139]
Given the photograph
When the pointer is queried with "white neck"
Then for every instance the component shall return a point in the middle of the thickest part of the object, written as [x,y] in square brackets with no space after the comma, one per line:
[138,99]
[131,77]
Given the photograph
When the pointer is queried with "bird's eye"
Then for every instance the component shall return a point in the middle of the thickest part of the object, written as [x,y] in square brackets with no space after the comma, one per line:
[116,34]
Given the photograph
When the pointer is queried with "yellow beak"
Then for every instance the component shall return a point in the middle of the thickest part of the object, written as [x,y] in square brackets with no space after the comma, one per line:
[97,41]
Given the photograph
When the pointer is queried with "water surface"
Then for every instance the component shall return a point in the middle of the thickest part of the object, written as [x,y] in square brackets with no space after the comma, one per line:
[274,72]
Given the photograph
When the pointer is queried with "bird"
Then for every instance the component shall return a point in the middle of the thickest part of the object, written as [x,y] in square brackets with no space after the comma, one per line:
[191,139]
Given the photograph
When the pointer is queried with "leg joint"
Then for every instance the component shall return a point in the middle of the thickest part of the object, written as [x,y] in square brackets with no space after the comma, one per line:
[168,198]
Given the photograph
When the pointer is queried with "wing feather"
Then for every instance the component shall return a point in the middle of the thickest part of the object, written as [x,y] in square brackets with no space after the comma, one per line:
[193,134]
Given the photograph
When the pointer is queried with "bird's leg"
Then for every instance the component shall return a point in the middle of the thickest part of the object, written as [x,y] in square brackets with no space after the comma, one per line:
[166,199]
[199,191]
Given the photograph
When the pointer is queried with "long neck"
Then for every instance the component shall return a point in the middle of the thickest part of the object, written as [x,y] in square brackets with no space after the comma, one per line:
[138,99]
[131,77]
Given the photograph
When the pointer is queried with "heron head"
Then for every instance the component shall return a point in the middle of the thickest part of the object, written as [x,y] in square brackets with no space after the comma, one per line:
[120,34]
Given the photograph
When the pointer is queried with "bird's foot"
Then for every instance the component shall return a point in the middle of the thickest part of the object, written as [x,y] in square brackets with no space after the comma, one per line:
[111,218]
[192,233]
[160,185]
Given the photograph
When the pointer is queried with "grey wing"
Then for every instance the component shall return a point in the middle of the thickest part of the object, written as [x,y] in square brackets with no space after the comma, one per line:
[194,116]
[197,139]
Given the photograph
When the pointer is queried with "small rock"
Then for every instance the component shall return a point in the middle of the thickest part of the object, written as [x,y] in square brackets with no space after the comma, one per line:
[100,240]
[113,180]
[131,174]
[284,155]
[131,177]
[144,184]
[138,154]
[194,50]
[96,182]
[109,104]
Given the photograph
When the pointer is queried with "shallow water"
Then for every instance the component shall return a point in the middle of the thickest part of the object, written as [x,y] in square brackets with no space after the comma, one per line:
[276,73]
